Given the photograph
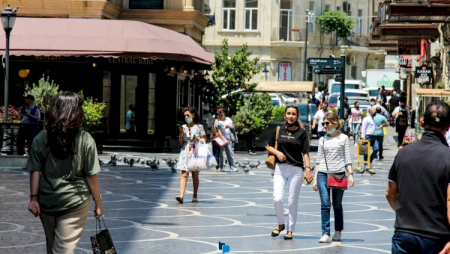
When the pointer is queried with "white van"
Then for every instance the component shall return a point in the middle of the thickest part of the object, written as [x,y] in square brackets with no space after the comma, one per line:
[335,87]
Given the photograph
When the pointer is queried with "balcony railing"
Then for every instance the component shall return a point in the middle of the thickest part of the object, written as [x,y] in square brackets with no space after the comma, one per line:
[291,34]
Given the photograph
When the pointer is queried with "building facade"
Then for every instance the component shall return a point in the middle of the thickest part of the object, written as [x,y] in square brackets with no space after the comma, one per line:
[276,32]
[98,47]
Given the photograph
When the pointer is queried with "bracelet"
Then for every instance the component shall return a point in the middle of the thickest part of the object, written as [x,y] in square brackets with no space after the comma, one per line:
[34,195]
[350,173]
[308,167]
[97,198]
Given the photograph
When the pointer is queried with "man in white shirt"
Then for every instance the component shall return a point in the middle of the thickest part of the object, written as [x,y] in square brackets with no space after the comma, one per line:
[367,130]
[318,119]
[318,94]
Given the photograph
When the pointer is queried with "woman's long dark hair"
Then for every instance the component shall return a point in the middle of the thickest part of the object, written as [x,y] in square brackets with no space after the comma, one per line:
[64,123]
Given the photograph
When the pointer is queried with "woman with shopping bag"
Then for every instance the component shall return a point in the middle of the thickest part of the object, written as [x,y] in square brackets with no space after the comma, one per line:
[191,135]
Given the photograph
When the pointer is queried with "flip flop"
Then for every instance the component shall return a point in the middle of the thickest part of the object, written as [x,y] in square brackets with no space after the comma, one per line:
[277,231]
[179,199]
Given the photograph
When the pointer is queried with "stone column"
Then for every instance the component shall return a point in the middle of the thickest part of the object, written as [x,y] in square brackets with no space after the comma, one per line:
[188,5]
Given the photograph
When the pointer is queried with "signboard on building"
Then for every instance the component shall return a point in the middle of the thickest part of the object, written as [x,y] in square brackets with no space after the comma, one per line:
[424,72]
[284,71]
[408,47]
[405,61]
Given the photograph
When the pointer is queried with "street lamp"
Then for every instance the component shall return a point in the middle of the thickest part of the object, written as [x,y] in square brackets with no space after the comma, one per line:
[308,20]
[8,19]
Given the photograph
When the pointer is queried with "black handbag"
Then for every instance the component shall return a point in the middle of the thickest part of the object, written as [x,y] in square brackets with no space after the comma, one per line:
[102,242]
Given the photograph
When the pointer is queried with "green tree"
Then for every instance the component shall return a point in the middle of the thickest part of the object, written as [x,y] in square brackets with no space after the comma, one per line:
[230,73]
[254,116]
[44,93]
[278,113]
[93,113]
[336,21]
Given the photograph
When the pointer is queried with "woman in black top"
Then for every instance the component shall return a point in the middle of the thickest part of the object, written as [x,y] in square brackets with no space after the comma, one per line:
[292,165]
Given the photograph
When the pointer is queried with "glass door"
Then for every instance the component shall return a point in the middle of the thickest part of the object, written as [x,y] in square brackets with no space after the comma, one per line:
[128,85]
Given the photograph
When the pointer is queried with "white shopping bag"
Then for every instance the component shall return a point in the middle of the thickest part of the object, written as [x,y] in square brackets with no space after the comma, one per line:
[198,157]
[211,161]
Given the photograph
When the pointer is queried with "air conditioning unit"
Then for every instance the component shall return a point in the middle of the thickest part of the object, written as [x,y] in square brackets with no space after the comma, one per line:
[351,60]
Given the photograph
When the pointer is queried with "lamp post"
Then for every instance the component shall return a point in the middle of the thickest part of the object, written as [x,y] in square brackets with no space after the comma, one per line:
[8,19]
[308,17]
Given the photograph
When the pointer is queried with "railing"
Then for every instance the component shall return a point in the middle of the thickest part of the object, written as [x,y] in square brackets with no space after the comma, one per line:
[10,132]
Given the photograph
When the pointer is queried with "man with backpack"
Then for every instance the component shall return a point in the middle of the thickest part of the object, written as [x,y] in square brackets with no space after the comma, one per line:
[402,116]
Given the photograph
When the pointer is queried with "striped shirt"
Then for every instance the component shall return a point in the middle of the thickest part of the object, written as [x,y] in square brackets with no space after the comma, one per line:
[337,152]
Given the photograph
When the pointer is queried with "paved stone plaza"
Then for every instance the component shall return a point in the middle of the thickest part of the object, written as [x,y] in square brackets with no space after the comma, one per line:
[236,208]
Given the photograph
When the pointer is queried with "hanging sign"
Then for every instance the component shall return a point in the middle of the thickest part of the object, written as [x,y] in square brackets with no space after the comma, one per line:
[408,47]
[284,71]
[424,72]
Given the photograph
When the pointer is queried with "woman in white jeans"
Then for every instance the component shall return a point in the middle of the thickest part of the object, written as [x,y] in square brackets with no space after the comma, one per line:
[292,165]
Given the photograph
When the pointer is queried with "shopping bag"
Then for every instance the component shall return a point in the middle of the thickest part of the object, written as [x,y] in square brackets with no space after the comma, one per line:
[211,161]
[363,148]
[220,142]
[198,157]
[102,242]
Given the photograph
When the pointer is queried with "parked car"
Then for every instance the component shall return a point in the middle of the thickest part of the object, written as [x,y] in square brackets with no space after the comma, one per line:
[277,100]
[290,98]
[306,113]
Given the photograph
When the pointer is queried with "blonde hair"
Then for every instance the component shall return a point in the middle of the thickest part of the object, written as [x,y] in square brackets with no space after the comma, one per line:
[333,118]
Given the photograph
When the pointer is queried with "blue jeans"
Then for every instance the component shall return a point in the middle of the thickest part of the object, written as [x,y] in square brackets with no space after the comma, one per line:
[337,195]
[355,129]
[228,151]
[374,145]
[408,243]
[216,151]
[345,127]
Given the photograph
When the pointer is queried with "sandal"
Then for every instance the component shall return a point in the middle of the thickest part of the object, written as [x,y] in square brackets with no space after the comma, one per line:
[278,230]
[288,236]
[179,199]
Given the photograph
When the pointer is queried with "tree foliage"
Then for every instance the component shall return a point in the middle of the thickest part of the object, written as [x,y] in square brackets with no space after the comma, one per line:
[278,113]
[44,93]
[230,73]
[336,21]
[254,116]
[93,113]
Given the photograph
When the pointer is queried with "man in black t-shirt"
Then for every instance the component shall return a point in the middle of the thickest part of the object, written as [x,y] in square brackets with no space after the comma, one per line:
[418,185]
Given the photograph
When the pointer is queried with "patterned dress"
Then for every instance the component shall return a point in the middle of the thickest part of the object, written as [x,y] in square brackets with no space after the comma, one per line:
[195,131]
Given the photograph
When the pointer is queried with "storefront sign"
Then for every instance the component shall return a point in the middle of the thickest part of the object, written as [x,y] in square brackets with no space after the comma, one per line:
[409,47]
[130,60]
[405,61]
[284,71]
[48,58]
[424,72]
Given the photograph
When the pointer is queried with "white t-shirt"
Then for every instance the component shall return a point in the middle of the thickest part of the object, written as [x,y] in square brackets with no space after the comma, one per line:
[319,116]
[319,96]
[356,115]
[225,131]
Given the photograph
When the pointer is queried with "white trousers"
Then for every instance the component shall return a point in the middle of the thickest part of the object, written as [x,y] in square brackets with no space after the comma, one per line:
[293,177]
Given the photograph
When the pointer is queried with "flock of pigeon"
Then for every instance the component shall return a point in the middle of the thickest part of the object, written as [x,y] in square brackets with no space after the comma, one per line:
[154,164]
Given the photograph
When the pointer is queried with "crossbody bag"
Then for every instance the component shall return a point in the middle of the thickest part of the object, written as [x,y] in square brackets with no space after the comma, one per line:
[334,180]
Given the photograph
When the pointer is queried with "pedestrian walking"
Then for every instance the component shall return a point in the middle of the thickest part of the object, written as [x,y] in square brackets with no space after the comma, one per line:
[333,157]
[214,135]
[225,124]
[292,165]
[356,121]
[130,123]
[418,187]
[30,115]
[367,132]
[347,115]
[64,165]
[318,119]
[190,134]
[380,123]
[402,117]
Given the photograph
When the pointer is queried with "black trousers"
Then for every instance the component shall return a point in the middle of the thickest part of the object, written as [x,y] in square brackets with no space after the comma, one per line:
[25,134]
[401,134]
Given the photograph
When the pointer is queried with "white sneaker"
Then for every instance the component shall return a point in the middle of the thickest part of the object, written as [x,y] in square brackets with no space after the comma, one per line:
[325,239]
[337,236]
[234,169]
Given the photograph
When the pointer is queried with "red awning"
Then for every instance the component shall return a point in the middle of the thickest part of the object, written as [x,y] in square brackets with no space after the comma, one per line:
[101,38]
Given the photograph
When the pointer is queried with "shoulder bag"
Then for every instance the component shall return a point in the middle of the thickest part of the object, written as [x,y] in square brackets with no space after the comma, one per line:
[334,180]
[270,161]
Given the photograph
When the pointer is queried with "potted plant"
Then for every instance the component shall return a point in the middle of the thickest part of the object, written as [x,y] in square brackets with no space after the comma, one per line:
[93,118]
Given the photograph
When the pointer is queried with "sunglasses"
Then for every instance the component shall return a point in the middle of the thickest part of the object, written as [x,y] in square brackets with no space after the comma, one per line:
[326,123]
